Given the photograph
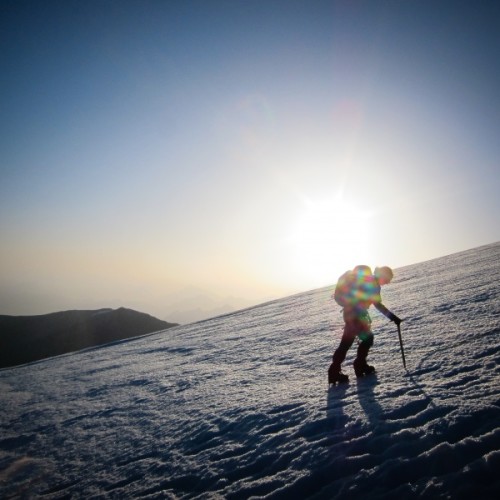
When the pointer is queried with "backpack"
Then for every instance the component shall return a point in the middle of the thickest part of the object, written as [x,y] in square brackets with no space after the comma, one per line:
[354,286]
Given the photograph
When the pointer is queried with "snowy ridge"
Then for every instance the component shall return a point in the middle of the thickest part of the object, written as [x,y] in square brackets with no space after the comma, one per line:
[238,406]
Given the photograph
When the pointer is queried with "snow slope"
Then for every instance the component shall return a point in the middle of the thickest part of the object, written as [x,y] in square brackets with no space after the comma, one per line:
[238,406]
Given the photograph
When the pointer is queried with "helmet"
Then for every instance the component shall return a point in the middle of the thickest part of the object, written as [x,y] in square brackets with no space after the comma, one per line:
[385,273]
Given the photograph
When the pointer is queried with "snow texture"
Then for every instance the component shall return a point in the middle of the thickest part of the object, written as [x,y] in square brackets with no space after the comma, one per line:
[238,406]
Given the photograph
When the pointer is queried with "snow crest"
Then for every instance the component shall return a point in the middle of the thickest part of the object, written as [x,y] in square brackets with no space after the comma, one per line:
[238,406]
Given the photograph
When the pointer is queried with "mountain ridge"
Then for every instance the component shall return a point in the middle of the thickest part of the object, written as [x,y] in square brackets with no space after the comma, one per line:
[25,339]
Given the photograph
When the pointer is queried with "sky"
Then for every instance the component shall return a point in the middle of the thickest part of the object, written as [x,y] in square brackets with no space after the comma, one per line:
[169,155]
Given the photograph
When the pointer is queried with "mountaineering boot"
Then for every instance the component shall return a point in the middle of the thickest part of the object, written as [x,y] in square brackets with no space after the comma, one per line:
[339,377]
[362,368]
[334,373]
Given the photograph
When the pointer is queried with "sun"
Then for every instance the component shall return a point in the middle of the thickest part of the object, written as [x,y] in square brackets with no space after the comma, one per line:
[331,236]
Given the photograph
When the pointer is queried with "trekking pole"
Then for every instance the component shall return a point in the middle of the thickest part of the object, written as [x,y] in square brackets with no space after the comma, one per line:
[401,345]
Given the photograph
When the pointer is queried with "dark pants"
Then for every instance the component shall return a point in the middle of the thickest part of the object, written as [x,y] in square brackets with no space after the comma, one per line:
[353,328]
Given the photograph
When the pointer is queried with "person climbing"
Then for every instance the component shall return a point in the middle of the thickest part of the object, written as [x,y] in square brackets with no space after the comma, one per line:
[356,291]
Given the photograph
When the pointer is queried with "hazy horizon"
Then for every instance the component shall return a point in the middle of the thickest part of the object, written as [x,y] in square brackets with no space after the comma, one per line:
[192,305]
[153,153]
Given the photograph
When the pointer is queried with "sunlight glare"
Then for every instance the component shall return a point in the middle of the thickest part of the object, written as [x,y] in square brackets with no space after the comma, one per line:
[331,237]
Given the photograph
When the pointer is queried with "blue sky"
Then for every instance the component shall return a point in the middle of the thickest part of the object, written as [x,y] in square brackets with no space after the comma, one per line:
[246,149]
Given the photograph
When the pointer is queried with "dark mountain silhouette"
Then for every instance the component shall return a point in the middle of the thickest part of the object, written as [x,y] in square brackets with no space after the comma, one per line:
[30,338]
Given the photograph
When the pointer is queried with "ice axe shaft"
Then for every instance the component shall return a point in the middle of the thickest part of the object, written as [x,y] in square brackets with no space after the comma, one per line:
[401,345]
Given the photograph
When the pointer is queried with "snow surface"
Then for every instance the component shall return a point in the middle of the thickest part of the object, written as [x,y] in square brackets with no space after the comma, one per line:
[238,406]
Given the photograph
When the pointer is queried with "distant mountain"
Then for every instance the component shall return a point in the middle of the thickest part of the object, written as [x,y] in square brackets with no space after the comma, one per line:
[193,304]
[30,338]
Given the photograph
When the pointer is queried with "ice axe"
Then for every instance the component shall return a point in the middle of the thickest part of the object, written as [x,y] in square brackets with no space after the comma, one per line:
[401,345]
